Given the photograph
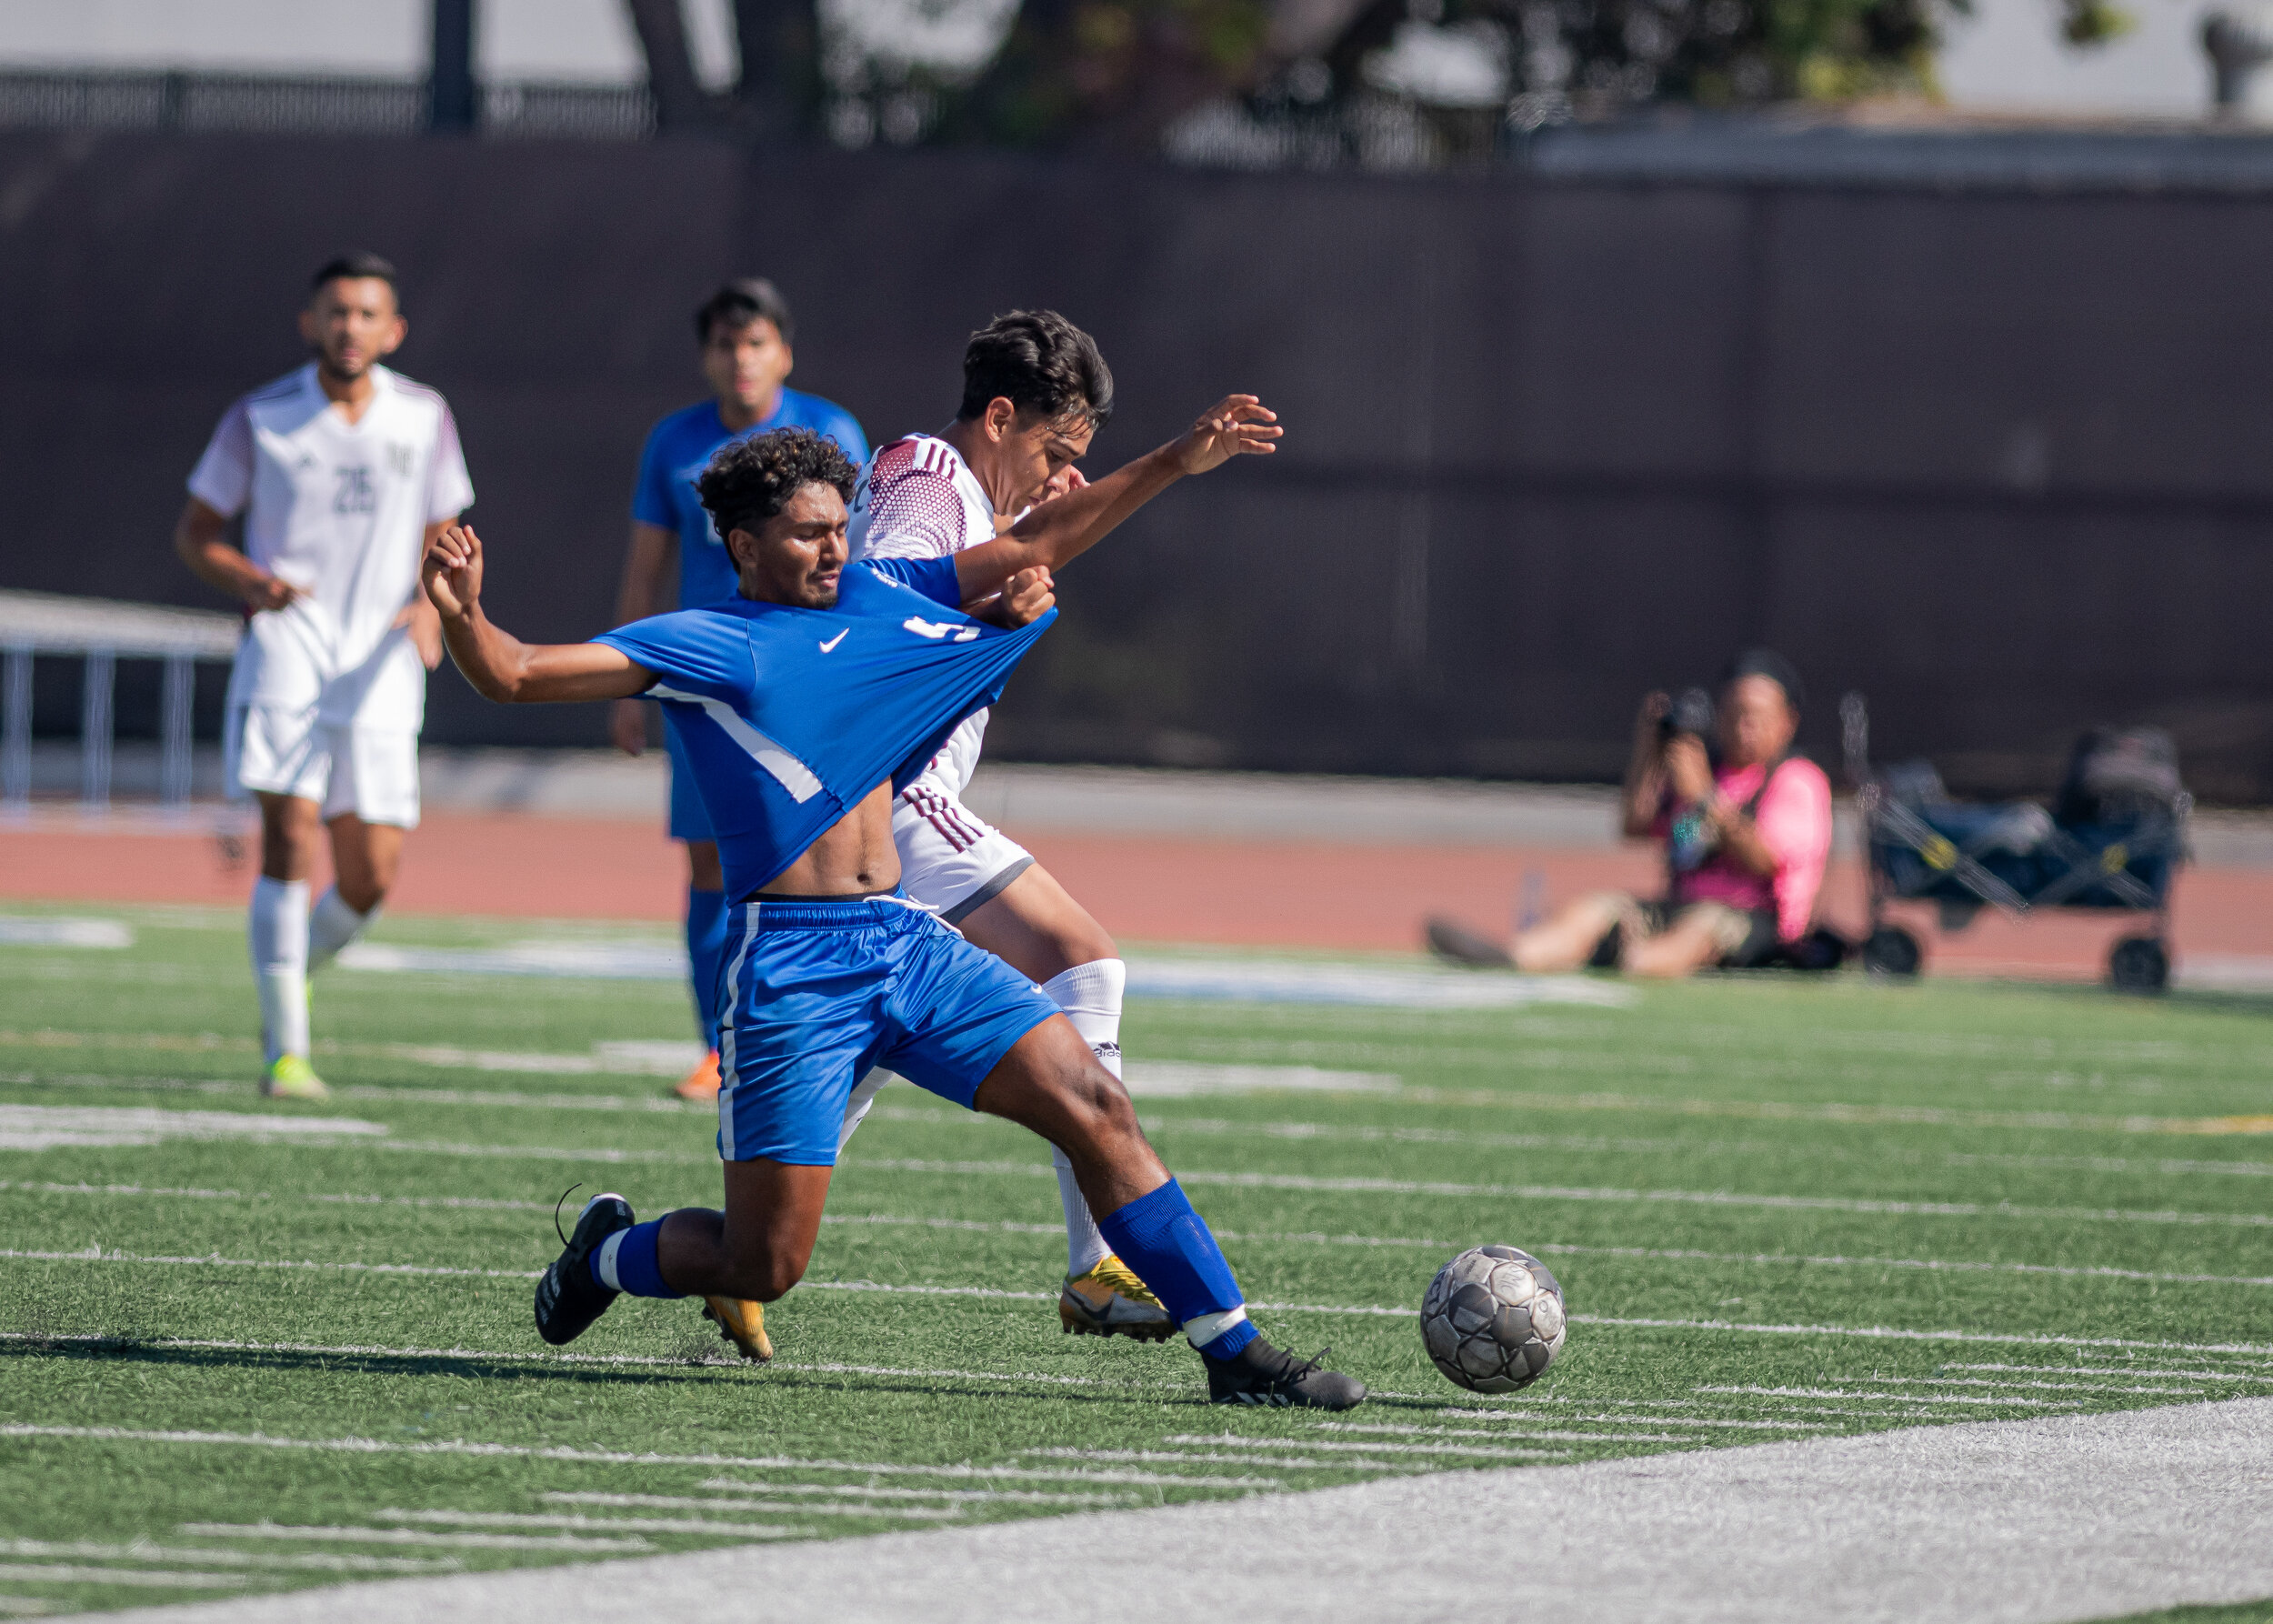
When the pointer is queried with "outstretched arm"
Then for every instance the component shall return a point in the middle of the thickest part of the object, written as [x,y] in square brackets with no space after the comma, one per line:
[1065,526]
[499,665]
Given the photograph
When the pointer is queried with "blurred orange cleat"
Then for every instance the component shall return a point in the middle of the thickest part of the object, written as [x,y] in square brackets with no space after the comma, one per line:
[741,1323]
[700,1085]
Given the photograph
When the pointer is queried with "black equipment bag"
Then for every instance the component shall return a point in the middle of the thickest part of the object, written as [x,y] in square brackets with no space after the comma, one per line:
[2120,775]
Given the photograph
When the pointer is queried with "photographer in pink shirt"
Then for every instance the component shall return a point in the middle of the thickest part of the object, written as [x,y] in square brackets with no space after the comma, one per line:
[1746,828]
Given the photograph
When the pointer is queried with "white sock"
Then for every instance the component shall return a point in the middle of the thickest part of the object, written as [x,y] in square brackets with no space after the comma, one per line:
[1090,995]
[278,929]
[605,1263]
[856,1104]
[332,924]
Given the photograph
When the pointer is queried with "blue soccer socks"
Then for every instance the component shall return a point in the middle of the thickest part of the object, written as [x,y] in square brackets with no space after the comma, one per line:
[627,1261]
[1167,1244]
[706,946]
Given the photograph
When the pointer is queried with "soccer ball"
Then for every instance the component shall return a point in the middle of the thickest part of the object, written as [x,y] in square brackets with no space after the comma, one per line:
[1493,1320]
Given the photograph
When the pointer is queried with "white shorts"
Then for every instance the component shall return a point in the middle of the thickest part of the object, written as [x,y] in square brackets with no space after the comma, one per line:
[371,772]
[952,861]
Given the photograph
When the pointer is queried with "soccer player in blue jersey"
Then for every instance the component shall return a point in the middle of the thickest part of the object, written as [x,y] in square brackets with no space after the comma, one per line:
[745,330]
[803,705]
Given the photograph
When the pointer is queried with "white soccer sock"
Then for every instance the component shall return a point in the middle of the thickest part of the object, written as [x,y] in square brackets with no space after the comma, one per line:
[332,924]
[605,1260]
[277,930]
[1090,995]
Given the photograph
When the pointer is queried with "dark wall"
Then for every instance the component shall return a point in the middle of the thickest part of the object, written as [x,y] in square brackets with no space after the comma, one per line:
[2002,460]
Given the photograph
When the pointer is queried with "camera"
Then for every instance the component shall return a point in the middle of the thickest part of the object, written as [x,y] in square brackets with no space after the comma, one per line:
[1690,712]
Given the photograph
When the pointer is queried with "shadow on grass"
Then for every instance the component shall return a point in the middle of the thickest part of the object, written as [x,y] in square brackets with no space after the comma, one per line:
[159,1352]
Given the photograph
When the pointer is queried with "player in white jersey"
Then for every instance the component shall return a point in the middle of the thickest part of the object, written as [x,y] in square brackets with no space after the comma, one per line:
[344,471]
[1035,392]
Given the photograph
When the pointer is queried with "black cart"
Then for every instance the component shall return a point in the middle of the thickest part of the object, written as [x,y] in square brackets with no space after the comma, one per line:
[2112,842]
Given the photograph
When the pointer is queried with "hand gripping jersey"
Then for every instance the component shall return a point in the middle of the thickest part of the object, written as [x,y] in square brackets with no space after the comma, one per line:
[340,510]
[919,499]
[791,717]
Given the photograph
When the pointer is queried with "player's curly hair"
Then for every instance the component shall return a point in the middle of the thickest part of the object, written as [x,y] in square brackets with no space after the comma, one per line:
[752,480]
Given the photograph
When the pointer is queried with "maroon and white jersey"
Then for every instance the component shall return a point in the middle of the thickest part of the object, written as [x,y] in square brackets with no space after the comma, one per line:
[917,498]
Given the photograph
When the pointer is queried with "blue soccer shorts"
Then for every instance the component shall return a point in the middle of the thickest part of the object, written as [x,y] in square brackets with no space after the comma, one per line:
[689,820]
[815,994]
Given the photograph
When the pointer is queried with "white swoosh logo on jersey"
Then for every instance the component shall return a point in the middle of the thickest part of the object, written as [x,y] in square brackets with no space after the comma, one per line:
[937,628]
[830,647]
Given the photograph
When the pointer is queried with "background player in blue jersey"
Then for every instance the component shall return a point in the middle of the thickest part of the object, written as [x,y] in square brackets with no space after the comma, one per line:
[745,331]
[803,706]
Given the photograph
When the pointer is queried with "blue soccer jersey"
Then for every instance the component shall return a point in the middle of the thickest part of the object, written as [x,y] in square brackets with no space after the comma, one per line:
[680,447]
[789,717]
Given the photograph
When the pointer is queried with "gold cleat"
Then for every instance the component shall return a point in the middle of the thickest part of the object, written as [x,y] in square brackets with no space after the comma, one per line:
[700,1086]
[1111,1301]
[290,1076]
[741,1323]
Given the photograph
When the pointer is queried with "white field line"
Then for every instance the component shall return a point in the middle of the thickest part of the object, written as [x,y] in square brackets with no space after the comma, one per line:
[2002,1387]
[372,1446]
[680,1502]
[1549,1192]
[579,1523]
[1851,1112]
[1878,1333]
[1896,1334]
[976,1494]
[1288,1462]
[347,1536]
[1391,1429]
[93,1255]
[1596,1145]
[1516,1419]
[322,1561]
[1935,1398]
[2119,1371]
[1779,1110]
[1313,1238]
[1031,1496]
[1232,1440]
[58,1573]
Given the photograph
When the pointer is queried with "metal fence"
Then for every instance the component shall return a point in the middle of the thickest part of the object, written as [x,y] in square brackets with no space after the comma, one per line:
[100,634]
[249,103]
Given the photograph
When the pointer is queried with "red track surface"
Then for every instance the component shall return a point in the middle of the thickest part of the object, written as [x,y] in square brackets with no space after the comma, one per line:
[1285,893]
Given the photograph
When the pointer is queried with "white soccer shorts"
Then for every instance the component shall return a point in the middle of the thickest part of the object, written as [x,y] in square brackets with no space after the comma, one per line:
[952,860]
[371,772]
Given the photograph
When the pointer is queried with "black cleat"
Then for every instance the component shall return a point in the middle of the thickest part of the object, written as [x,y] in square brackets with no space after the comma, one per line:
[1260,1375]
[568,1299]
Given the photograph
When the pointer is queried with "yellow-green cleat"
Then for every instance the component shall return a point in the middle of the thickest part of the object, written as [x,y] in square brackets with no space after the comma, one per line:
[290,1076]
[1109,1300]
[741,1323]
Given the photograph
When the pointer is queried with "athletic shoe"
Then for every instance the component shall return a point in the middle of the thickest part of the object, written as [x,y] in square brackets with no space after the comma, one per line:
[290,1076]
[1448,938]
[568,1299]
[700,1085]
[1111,1301]
[743,1323]
[1260,1375]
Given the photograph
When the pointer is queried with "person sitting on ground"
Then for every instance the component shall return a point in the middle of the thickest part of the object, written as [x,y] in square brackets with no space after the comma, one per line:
[1747,827]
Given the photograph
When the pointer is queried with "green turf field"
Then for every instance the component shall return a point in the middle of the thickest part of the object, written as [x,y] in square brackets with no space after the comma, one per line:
[251,1345]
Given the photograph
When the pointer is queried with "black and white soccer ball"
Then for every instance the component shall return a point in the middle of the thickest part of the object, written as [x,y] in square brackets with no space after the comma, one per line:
[1493,1320]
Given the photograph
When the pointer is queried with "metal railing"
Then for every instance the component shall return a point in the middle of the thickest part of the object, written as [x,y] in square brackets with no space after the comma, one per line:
[272,105]
[101,633]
